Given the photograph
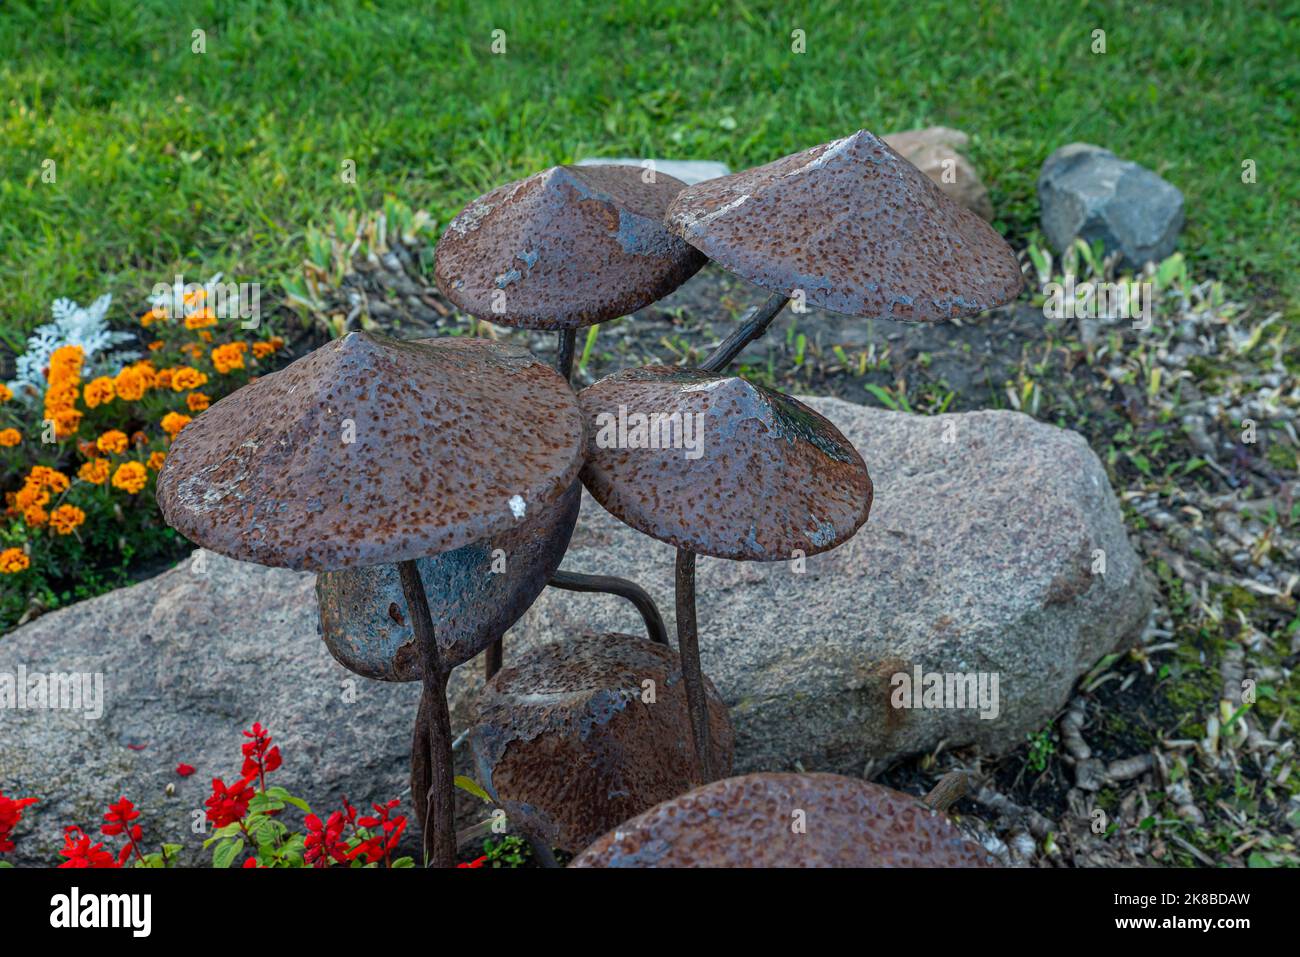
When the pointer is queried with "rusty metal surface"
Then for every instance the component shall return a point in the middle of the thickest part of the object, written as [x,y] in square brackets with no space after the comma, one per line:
[772,478]
[567,743]
[372,450]
[475,594]
[565,248]
[749,822]
[855,226]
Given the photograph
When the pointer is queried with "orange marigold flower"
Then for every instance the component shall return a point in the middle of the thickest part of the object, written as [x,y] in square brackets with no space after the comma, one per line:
[163,378]
[114,440]
[156,314]
[52,479]
[5,393]
[197,402]
[229,357]
[186,378]
[130,477]
[10,437]
[262,349]
[13,560]
[66,422]
[131,384]
[156,460]
[35,516]
[173,422]
[139,439]
[205,336]
[95,471]
[201,319]
[65,518]
[66,361]
[98,391]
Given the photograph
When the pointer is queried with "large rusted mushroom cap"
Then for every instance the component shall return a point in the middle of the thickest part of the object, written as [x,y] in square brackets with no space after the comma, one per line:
[475,594]
[565,248]
[787,820]
[720,466]
[575,736]
[857,228]
[372,450]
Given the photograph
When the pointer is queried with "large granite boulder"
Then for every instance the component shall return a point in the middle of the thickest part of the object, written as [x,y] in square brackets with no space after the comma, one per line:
[1088,192]
[983,556]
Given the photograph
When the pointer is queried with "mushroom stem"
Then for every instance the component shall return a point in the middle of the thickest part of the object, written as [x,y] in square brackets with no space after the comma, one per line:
[435,776]
[564,352]
[688,649]
[609,584]
[752,326]
[493,658]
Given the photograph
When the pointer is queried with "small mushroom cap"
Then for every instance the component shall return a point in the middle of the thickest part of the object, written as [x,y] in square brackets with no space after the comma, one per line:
[769,477]
[568,743]
[565,248]
[750,821]
[473,599]
[372,450]
[855,226]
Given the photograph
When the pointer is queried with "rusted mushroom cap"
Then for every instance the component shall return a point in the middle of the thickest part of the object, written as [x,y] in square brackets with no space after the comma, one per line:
[857,228]
[565,248]
[475,594]
[373,450]
[787,820]
[720,466]
[575,736]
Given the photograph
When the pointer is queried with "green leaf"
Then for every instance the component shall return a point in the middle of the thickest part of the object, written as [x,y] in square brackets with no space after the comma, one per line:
[287,798]
[885,398]
[467,784]
[1259,860]
[230,830]
[226,852]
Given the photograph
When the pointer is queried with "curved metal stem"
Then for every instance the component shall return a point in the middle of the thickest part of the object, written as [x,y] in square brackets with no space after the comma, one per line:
[654,622]
[753,325]
[431,760]
[564,352]
[688,648]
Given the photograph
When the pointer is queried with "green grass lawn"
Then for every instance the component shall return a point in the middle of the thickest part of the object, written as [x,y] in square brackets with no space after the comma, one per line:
[169,160]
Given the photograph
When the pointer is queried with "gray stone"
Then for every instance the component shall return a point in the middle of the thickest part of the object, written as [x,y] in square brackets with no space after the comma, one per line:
[1088,192]
[977,558]
[934,150]
[689,172]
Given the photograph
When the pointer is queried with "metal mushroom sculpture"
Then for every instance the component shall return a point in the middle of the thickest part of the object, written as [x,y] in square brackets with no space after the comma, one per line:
[768,479]
[849,226]
[565,248]
[787,820]
[400,471]
[371,452]
[575,736]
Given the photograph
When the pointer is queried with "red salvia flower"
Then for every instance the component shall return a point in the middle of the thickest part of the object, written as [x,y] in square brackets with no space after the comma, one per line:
[81,853]
[228,804]
[259,757]
[477,862]
[380,846]
[11,812]
[323,842]
[184,770]
[118,821]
